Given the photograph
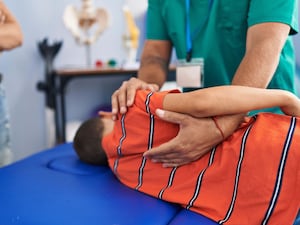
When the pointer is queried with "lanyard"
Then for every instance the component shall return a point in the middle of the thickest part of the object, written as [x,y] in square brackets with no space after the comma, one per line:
[189,42]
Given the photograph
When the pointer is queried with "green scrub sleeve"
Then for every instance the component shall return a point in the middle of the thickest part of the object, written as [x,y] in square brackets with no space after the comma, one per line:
[282,11]
[156,27]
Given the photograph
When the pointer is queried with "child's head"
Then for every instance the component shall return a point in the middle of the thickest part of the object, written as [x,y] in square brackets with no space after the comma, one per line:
[88,138]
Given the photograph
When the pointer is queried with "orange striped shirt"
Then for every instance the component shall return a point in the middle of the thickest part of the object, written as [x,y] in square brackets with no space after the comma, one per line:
[251,178]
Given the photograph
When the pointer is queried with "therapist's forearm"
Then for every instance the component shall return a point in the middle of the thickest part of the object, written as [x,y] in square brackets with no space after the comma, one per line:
[155,62]
[264,45]
[152,70]
[256,69]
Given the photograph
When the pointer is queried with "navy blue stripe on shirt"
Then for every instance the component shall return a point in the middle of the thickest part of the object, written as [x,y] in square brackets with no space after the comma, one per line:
[150,140]
[119,148]
[200,178]
[170,182]
[237,176]
[280,172]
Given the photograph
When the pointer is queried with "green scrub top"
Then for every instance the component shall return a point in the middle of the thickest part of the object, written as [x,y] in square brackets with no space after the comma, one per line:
[218,33]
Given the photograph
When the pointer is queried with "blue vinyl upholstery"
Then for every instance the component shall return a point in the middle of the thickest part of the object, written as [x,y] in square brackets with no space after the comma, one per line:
[54,188]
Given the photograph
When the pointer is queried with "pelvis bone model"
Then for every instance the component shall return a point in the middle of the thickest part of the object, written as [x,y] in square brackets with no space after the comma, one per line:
[87,23]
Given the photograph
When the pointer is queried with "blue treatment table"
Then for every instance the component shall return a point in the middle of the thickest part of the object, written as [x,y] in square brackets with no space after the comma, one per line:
[54,188]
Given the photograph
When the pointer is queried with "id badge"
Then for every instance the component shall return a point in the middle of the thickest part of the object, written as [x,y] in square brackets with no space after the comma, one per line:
[190,74]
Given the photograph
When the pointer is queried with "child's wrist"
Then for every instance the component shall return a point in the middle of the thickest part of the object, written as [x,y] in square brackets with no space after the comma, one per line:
[228,124]
[214,118]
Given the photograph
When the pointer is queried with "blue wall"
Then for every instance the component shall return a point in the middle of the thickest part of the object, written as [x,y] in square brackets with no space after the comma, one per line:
[24,67]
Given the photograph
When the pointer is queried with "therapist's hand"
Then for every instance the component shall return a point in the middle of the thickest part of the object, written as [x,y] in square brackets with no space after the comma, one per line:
[196,137]
[124,96]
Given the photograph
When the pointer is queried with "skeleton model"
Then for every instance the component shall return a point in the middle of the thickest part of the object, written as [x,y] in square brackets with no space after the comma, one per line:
[131,39]
[86,24]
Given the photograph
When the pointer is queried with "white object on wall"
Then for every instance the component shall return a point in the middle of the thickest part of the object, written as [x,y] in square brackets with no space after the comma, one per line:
[131,39]
[86,24]
[137,8]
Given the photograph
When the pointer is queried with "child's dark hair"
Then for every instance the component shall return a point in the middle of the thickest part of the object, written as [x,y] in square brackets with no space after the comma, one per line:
[87,142]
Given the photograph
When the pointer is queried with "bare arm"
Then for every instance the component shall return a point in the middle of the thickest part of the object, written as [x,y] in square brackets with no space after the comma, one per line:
[151,76]
[227,100]
[197,135]
[155,61]
[10,31]
[264,44]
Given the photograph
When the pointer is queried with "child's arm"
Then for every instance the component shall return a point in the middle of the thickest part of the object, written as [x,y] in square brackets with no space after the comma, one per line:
[225,100]
[10,30]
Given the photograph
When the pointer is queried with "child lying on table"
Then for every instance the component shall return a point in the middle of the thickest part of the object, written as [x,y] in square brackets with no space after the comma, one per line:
[252,177]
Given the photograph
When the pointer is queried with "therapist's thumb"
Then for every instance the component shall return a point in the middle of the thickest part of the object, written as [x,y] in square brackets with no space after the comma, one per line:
[169,116]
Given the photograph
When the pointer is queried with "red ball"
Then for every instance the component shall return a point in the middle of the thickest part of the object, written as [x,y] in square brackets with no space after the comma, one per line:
[98,63]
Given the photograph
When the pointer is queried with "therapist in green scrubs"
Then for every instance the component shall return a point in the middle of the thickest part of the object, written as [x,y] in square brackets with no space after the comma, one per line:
[217,42]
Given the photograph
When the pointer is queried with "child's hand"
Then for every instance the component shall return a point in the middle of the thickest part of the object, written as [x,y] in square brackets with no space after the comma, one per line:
[2,17]
[106,114]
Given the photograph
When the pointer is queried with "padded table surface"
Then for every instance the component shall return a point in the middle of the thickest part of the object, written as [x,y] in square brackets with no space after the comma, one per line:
[54,188]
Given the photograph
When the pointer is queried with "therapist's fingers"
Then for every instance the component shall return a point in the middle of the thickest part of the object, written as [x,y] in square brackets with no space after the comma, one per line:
[166,150]
[190,143]
[163,152]
[136,84]
[170,154]
[2,17]
[119,99]
[124,97]
[114,104]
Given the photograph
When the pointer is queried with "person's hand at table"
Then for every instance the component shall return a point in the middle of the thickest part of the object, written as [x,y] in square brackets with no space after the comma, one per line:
[124,96]
[196,137]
